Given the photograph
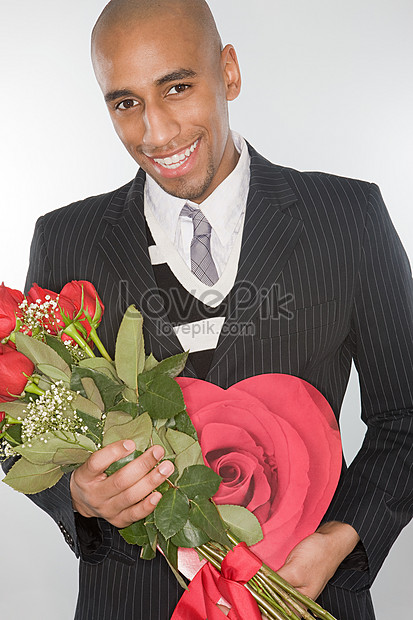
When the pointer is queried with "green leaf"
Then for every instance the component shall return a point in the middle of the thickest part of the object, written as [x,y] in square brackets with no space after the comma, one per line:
[127,407]
[109,388]
[40,353]
[135,534]
[130,395]
[130,351]
[116,418]
[204,514]
[169,367]
[101,365]
[95,427]
[179,441]
[199,480]
[85,405]
[170,552]
[190,456]
[71,456]
[147,552]
[241,522]
[15,409]
[190,536]
[28,478]
[151,530]
[43,448]
[158,440]
[92,392]
[122,462]
[54,373]
[163,398]
[150,363]
[139,430]
[55,343]
[171,513]
[14,434]
[184,424]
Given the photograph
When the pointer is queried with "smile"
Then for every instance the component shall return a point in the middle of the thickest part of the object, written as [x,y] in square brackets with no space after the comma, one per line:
[177,160]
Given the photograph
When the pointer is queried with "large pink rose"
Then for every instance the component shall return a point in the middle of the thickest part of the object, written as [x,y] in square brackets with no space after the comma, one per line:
[274,441]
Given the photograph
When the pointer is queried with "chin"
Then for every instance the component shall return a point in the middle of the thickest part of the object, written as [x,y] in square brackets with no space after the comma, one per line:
[187,190]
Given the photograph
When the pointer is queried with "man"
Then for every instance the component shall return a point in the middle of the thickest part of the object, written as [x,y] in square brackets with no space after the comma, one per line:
[307,246]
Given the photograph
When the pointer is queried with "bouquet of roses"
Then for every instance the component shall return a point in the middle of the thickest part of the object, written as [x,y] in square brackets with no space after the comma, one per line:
[60,403]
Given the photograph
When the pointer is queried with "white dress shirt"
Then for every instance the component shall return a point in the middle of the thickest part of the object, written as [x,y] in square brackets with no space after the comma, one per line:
[173,233]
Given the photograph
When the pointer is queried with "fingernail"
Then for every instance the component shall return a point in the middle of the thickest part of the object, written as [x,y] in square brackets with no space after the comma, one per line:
[129,445]
[166,468]
[155,498]
[158,452]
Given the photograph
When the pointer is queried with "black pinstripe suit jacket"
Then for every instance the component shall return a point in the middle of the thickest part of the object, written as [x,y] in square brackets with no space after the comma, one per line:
[322,279]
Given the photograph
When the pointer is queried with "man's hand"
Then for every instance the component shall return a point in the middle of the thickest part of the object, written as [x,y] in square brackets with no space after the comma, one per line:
[127,495]
[315,559]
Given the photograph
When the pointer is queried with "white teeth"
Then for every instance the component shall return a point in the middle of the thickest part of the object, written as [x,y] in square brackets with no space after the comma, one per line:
[178,159]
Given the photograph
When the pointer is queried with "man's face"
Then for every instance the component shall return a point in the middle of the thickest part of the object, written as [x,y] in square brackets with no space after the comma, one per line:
[167,94]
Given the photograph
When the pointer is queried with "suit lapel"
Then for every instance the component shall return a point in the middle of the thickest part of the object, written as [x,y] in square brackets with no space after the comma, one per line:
[269,237]
[124,248]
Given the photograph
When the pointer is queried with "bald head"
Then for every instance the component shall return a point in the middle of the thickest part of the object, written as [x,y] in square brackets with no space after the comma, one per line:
[123,14]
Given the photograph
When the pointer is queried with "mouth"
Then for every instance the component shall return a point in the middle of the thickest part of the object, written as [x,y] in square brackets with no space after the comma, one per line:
[177,159]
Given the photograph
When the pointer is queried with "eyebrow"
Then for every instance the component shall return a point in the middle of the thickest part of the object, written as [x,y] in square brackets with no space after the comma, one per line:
[116,94]
[179,74]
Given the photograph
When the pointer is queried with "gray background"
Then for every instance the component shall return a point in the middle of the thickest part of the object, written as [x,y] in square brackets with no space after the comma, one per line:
[327,86]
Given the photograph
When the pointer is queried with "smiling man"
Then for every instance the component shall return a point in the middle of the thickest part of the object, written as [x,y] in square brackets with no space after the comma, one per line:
[254,268]
[167,89]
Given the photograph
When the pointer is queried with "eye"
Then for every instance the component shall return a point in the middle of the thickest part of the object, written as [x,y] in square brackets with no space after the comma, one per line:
[178,89]
[126,104]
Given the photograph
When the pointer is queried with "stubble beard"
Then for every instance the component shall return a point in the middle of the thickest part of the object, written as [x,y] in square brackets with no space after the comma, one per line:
[186,190]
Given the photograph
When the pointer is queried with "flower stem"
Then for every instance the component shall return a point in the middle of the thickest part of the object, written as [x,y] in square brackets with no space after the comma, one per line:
[305,600]
[99,344]
[71,331]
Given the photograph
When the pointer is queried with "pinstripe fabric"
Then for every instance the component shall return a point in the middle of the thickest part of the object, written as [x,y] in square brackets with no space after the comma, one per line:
[322,280]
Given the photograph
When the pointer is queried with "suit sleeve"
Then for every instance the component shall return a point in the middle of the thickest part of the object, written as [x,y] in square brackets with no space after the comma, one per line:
[375,495]
[89,539]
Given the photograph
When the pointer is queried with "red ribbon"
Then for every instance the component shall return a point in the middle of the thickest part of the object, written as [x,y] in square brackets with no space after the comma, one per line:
[209,585]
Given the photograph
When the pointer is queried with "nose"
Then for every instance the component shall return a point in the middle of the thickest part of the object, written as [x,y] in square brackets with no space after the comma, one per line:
[160,127]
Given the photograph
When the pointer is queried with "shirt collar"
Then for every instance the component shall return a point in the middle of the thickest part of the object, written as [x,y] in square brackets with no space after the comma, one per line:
[223,208]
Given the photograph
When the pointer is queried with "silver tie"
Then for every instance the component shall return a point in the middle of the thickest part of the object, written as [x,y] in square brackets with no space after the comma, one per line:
[202,264]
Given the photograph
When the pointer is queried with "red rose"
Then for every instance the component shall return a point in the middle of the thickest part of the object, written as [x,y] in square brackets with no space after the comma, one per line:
[2,416]
[15,368]
[9,309]
[92,304]
[51,317]
[275,442]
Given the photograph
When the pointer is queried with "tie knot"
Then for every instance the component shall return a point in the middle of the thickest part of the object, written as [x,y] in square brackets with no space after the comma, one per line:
[201,224]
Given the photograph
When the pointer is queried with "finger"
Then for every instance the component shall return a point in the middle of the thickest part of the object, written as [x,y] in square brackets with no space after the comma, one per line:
[134,472]
[100,460]
[142,488]
[138,511]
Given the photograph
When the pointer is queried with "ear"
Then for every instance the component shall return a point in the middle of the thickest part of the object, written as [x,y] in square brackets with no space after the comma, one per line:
[231,71]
